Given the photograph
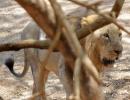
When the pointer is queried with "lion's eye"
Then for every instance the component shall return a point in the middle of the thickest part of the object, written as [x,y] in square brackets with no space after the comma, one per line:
[106,36]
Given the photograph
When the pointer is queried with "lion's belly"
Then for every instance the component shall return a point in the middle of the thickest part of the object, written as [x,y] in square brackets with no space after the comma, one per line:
[54,62]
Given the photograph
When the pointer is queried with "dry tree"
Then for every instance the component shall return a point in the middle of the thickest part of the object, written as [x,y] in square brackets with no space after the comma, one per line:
[60,31]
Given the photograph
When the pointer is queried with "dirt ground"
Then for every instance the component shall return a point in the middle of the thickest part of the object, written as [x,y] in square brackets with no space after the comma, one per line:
[116,81]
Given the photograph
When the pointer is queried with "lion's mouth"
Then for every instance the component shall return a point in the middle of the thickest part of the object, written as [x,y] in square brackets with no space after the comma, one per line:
[106,61]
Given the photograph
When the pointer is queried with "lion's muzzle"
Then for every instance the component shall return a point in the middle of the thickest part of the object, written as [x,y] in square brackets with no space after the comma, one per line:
[106,61]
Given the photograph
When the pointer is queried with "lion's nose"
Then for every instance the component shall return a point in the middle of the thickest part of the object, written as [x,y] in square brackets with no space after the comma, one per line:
[118,51]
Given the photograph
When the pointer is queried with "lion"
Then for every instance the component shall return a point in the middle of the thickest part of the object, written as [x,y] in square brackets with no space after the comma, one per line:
[102,46]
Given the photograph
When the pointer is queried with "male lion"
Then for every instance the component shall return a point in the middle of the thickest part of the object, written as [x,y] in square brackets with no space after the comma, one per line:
[103,47]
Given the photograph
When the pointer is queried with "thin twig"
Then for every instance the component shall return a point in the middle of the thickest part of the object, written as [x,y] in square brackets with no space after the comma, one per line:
[89,6]
[107,17]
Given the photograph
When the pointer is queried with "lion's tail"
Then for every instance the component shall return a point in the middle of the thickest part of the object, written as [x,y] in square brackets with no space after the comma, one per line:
[9,62]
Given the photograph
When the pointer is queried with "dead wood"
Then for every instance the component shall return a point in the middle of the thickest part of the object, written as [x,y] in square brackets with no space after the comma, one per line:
[39,44]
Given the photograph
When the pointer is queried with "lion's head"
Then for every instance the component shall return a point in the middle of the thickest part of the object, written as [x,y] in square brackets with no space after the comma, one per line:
[104,46]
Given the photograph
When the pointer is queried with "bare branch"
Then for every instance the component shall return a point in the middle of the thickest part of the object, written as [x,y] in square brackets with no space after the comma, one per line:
[74,44]
[111,17]
[72,39]
[32,10]
[40,44]
[117,7]
[39,15]
[98,20]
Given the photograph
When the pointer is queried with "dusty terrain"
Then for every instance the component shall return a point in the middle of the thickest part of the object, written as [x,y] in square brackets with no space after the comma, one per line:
[13,19]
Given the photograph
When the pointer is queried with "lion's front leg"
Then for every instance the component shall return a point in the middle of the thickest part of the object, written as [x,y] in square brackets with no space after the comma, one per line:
[39,74]
[89,88]
[39,83]
[66,79]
